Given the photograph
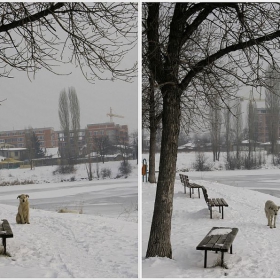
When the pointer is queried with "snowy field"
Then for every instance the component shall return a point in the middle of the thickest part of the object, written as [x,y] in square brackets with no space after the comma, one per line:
[254,247]
[100,242]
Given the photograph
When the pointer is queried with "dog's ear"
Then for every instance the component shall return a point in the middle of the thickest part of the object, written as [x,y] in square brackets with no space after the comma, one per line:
[27,195]
[18,197]
[278,207]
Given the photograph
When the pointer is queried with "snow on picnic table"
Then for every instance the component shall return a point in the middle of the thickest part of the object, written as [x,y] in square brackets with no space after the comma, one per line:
[255,248]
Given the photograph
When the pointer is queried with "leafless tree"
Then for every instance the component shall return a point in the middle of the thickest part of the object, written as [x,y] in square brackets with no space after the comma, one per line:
[151,105]
[69,116]
[102,145]
[93,36]
[237,128]
[64,118]
[272,103]
[89,149]
[151,115]
[215,120]
[29,145]
[252,126]
[74,108]
[134,143]
[236,40]
[228,131]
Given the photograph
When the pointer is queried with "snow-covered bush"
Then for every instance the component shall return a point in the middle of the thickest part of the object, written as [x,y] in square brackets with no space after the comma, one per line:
[201,163]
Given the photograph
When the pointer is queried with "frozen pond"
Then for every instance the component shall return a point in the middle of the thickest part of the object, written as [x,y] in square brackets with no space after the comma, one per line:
[262,182]
[109,198]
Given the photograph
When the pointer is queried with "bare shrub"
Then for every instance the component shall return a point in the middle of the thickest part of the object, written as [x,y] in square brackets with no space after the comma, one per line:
[125,168]
[254,161]
[106,173]
[201,163]
[275,159]
[17,182]
[97,171]
[65,169]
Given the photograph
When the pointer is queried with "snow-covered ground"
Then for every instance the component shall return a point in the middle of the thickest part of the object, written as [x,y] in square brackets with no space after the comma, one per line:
[255,247]
[100,242]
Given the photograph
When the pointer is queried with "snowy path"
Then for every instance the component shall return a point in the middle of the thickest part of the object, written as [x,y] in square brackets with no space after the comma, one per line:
[255,248]
[69,245]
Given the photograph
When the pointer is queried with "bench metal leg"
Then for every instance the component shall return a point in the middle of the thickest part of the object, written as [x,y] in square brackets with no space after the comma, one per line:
[222,212]
[185,189]
[198,192]
[205,259]
[190,192]
[4,244]
[210,212]
[222,262]
[231,249]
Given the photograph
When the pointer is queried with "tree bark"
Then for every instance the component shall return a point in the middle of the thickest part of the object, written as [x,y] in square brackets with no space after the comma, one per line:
[159,241]
[153,132]
[152,153]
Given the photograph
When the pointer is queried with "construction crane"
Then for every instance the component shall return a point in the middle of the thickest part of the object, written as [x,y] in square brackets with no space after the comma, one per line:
[111,115]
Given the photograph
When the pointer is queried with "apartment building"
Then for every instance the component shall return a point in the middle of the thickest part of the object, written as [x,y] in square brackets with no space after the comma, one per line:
[61,141]
[16,138]
[115,132]
[49,138]
[263,121]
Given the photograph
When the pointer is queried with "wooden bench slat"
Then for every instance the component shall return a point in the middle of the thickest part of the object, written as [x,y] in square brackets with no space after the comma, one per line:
[219,202]
[231,236]
[222,243]
[219,242]
[224,202]
[186,183]
[208,242]
[7,229]
[5,232]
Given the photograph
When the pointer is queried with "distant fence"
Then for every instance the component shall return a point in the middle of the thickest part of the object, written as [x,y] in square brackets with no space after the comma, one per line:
[57,161]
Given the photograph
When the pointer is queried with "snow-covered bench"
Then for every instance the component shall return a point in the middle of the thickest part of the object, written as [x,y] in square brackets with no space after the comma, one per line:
[218,239]
[185,182]
[5,232]
[214,202]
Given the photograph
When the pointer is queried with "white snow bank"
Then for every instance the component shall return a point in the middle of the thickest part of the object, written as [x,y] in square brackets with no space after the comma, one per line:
[57,245]
[255,248]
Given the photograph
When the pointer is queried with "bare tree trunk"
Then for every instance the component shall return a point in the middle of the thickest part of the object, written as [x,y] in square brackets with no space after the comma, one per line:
[152,153]
[159,241]
[153,132]
[227,127]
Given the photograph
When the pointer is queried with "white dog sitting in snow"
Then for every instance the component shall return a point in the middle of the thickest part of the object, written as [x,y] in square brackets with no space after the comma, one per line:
[23,209]
[271,210]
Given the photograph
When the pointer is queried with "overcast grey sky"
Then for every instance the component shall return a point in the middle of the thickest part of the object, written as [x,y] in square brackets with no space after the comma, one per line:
[35,103]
